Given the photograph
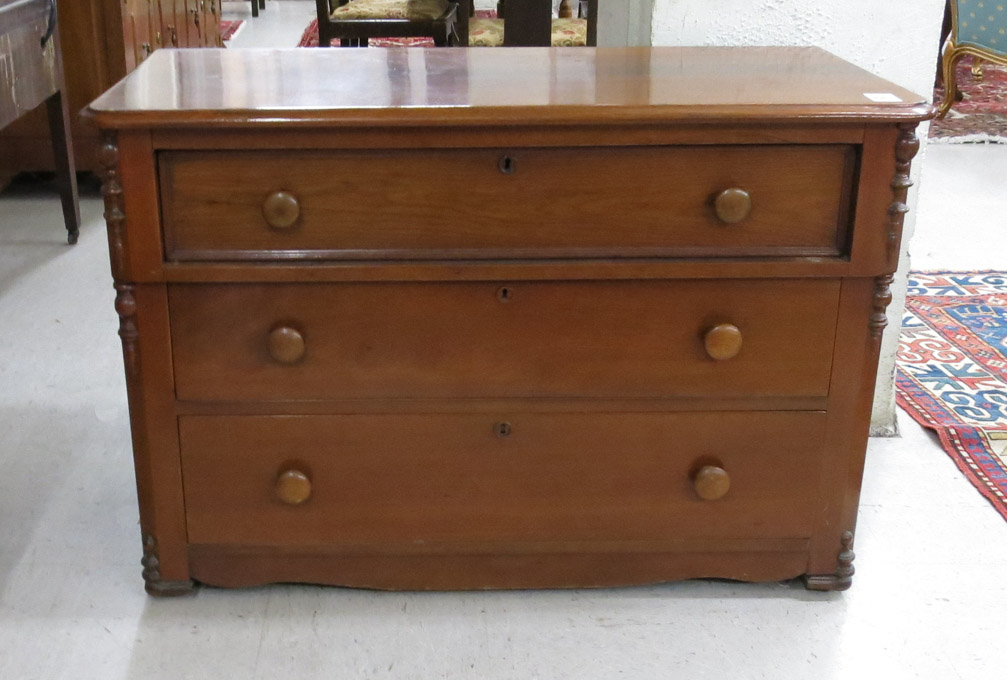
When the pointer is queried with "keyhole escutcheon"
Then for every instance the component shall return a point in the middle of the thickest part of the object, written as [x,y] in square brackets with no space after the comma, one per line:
[507,165]
[505,294]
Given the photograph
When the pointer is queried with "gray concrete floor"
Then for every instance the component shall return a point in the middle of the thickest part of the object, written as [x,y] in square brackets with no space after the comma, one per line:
[928,599]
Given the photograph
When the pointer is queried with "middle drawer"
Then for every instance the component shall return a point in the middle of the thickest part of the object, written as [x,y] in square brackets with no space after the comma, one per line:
[628,339]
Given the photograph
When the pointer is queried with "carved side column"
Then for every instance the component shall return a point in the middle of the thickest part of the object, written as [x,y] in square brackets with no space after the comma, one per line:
[882,298]
[115,216]
[126,307]
[906,147]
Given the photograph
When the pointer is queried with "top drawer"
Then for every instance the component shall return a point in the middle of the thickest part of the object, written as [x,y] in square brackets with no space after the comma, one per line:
[492,203]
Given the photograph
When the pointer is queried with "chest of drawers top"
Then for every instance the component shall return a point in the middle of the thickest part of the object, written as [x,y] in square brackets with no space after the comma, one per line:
[524,86]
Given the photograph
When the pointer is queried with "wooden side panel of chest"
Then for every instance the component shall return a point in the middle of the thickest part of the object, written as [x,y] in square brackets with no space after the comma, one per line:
[399,423]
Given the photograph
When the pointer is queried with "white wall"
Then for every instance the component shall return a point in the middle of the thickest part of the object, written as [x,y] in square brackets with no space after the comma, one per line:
[624,22]
[896,39]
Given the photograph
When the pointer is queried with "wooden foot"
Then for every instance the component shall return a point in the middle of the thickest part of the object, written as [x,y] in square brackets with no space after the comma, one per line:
[842,578]
[170,588]
[153,583]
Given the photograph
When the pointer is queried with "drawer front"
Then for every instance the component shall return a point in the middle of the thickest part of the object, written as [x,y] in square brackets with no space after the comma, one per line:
[411,482]
[468,340]
[475,203]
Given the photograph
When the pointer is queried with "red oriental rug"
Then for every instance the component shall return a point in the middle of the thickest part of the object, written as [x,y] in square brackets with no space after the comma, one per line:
[952,371]
[228,29]
[982,115]
[310,36]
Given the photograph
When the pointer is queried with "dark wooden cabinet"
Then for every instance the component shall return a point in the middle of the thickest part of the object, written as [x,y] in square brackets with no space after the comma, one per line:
[503,319]
[102,41]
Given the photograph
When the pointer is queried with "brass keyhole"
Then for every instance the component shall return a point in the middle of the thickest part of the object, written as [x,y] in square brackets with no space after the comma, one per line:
[502,429]
[507,165]
[505,294]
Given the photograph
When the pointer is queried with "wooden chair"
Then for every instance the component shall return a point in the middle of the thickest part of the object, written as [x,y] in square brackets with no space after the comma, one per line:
[354,22]
[256,6]
[566,31]
[978,28]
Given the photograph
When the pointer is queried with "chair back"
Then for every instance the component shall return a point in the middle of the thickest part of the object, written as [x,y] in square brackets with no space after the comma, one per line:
[981,23]
[528,23]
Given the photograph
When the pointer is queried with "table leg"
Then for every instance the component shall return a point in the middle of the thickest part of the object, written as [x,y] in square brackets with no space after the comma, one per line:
[66,171]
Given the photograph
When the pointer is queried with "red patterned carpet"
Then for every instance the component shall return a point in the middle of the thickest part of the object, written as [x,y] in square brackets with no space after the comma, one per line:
[952,371]
[228,29]
[982,115]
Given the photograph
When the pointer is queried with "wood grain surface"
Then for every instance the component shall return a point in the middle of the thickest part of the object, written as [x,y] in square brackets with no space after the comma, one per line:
[443,319]
[442,340]
[632,201]
[406,483]
[525,85]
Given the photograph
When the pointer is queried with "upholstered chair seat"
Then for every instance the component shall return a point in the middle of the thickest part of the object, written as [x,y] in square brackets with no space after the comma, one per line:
[414,10]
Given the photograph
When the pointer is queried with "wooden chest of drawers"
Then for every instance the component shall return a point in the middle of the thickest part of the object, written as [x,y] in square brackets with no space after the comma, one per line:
[501,319]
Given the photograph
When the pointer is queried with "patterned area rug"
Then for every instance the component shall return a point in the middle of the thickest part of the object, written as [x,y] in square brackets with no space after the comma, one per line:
[229,29]
[952,371]
[310,36]
[982,115]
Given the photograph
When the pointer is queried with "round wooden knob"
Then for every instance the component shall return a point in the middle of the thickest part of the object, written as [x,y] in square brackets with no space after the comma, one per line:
[732,205]
[711,482]
[293,487]
[722,342]
[286,345]
[281,210]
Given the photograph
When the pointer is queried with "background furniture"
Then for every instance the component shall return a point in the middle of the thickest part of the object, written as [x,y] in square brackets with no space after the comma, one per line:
[351,372]
[104,40]
[32,73]
[979,29]
[530,23]
[354,22]
[256,6]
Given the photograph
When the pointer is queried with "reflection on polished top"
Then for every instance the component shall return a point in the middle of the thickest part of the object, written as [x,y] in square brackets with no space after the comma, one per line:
[399,86]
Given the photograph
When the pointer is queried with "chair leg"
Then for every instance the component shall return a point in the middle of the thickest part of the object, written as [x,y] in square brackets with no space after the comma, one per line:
[262,4]
[66,172]
[255,8]
[951,57]
[977,68]
[460,30]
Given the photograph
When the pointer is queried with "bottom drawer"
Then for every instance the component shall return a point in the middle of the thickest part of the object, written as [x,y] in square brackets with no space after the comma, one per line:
[423,482]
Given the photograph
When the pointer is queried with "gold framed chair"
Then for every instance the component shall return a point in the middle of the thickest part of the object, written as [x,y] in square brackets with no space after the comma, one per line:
[979,29]
[354,22]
